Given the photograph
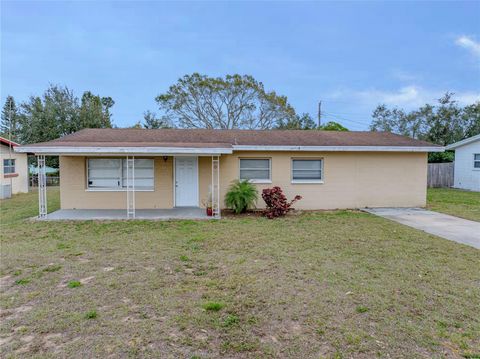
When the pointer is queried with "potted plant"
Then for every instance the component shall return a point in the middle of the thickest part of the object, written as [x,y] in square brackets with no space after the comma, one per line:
[207,203]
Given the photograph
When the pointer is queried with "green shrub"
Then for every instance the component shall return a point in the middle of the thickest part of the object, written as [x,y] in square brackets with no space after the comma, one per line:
[241,196]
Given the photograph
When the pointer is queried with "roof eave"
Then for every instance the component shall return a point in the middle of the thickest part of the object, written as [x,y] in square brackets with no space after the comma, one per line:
[341,148]
[65,150]
[463,142]
[159,151]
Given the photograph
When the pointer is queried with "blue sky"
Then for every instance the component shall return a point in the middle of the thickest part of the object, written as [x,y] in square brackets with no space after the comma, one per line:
[350,55]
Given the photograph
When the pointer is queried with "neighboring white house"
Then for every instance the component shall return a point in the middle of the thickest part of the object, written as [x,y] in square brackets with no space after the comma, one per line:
[13,169]
[467,163]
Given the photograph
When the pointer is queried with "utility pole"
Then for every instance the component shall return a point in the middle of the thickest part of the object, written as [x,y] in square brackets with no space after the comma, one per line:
[319,113]
[10,130]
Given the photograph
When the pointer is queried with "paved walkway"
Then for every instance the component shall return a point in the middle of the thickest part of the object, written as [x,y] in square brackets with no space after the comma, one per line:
[442,225]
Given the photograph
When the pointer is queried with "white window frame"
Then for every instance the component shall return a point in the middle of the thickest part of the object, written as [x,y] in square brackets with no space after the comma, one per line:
[269,180]
[10,166]
[474,160]
[322,173]
[121,188]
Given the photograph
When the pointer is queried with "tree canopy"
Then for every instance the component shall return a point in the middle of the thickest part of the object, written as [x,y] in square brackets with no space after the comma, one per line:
[150,120]
[443,123]
[235,101]
[333,126]
[9,126]
[303,122]
[306,122]
[56,113]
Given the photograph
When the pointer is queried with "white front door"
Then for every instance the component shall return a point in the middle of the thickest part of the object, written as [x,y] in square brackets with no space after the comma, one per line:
[186,181]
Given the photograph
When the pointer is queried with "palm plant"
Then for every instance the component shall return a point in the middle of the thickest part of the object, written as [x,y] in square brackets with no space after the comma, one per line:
[241,196]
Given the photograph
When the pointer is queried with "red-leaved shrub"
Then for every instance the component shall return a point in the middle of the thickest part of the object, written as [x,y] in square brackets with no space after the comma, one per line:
[277,204]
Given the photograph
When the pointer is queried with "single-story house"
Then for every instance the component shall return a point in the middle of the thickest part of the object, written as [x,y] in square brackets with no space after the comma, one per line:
[13,169]
[139,169]
[467,163]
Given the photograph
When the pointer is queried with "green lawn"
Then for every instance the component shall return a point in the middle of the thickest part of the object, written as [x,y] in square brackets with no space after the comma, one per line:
[465,204]
[331,284]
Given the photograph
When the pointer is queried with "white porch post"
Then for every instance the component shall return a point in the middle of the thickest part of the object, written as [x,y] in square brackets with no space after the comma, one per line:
[42,187]
[216,187]
[130,187]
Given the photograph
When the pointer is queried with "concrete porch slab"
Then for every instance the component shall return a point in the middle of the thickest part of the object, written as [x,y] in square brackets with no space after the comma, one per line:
[121,214]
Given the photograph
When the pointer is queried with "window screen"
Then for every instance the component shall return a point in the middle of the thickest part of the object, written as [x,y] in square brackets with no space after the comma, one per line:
[143,174]
[307,170]
[255,169]
[104,173]
[476,160]
[111,173]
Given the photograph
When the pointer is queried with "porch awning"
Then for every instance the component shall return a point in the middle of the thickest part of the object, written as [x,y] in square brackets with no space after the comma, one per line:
[116,149]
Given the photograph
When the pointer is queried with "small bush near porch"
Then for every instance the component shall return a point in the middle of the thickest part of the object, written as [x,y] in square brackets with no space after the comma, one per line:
[330,284]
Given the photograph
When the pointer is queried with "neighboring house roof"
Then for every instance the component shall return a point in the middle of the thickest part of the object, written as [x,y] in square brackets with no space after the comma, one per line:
[6,142]
[225,141]
[463,142]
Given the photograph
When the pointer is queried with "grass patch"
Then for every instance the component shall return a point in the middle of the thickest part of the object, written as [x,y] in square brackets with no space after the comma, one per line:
[213,306]
[92,314]
[361,309]
[74,284]
[231,320]
[464,204]
[52,268]
[284,288]
[23,281]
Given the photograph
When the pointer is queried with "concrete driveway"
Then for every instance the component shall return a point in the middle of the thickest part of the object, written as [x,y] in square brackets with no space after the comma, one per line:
[443,225]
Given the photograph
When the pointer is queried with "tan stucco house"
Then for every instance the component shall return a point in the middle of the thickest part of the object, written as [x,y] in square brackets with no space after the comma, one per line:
[138,169]
[13,169]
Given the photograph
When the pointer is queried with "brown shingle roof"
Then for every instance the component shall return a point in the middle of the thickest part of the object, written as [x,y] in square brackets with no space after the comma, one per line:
[203,138]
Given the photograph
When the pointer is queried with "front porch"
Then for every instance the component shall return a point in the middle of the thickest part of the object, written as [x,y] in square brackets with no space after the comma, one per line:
[194,213]
[134,187]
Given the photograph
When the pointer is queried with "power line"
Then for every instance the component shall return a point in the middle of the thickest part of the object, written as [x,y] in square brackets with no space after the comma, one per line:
[344,119]
[348,113]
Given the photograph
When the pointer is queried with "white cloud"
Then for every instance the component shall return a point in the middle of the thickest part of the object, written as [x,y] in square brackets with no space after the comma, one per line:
[408,97]
[469,44]
[403,76]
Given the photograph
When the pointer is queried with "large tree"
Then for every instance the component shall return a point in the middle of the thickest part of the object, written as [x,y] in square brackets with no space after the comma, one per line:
[94,111]
[59,112]
[199,101]
[443,123]
[9,126]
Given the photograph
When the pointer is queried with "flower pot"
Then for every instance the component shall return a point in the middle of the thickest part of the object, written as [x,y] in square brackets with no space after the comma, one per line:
[209,211]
